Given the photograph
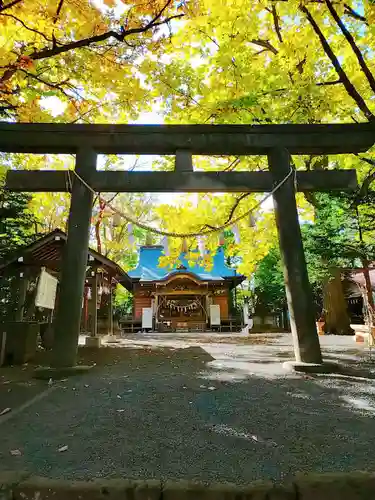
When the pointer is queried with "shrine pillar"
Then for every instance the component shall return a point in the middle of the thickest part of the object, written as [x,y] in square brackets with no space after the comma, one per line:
[23,282]
[94,306]
[74,263]
[110,308]
[298,291]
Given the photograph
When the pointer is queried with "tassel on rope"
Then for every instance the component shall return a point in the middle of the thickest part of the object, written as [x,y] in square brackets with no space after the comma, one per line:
[201,246]
[148,239]
[236,234]
[116,220]
[252,220]
[164,242]
[221,239]
[129,229]
[184,246]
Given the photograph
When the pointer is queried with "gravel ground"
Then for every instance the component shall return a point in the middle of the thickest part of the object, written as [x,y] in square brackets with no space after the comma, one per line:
[166,413]
[17,387]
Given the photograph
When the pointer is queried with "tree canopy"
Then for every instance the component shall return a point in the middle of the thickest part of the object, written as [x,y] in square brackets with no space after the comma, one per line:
[278,62]
[202,61]
[87,54]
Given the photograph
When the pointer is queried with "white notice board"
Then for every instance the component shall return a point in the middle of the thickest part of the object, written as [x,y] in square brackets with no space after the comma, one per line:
[245,314]
[147,317]
[215,315]
[46,291]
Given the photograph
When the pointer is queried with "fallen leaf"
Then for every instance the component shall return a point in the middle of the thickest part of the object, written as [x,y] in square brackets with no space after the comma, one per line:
[63,448]
[50,382]
[129,390]
[212,388]
[120,411]
[202,386]
[118,396]
[6,410]
[15,453]
[86,385]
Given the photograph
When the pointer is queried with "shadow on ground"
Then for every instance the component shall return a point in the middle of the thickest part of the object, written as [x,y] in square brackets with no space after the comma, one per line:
[162,413]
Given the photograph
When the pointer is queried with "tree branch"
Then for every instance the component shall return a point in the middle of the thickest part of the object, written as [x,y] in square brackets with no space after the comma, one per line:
[327,84]
[351,90]
[352,13]
[276,22]
[232,165]
[86,42]
[26,27]
[209,37]
[354,46]
[57,86]
[370,177]
[9,5]
[231,213]
[58,10]
[367,160]
[236,203]
[265,44]
[363,190]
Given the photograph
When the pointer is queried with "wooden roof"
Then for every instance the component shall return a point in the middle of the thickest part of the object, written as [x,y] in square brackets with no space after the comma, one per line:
[47,252]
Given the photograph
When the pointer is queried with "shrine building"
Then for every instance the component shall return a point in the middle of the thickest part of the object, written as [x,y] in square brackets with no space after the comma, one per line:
[186,298]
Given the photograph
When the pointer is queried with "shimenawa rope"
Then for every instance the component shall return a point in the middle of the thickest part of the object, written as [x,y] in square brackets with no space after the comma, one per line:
[168,234]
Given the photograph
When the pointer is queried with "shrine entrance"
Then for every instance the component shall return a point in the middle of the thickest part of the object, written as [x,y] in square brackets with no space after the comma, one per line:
[277,142]
[182,304]
[181,313]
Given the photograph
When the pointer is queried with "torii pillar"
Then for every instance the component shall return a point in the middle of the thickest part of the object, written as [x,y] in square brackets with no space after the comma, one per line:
[74,264]
[297,286]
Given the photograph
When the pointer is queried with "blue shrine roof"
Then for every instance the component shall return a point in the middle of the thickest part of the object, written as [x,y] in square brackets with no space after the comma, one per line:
[148,267]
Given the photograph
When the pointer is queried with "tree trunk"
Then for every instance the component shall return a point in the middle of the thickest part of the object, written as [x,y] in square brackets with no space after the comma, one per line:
[337,320]
[366,274]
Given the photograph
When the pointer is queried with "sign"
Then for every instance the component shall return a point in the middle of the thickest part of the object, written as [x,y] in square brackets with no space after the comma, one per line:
[147,317]
[46,291]
[245,314]
[215,315]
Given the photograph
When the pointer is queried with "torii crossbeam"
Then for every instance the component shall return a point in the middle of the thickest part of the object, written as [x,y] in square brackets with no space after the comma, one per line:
[278,142]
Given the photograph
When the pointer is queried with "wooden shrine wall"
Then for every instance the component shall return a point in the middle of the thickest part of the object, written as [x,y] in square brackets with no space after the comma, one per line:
[142,298]
[222,301]
[140,301]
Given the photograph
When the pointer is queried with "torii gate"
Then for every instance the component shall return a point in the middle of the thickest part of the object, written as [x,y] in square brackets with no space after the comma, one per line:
[278,142]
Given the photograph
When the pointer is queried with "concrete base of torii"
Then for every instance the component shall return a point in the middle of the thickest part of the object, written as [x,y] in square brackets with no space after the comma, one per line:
[93,341]
[50,373]
[326,367]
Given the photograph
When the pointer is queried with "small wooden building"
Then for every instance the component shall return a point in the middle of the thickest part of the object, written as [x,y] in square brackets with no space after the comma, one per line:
[180,298]
[20,273]
[354,287]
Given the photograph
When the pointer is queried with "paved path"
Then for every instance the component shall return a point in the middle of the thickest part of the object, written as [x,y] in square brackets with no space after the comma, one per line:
[168,414]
